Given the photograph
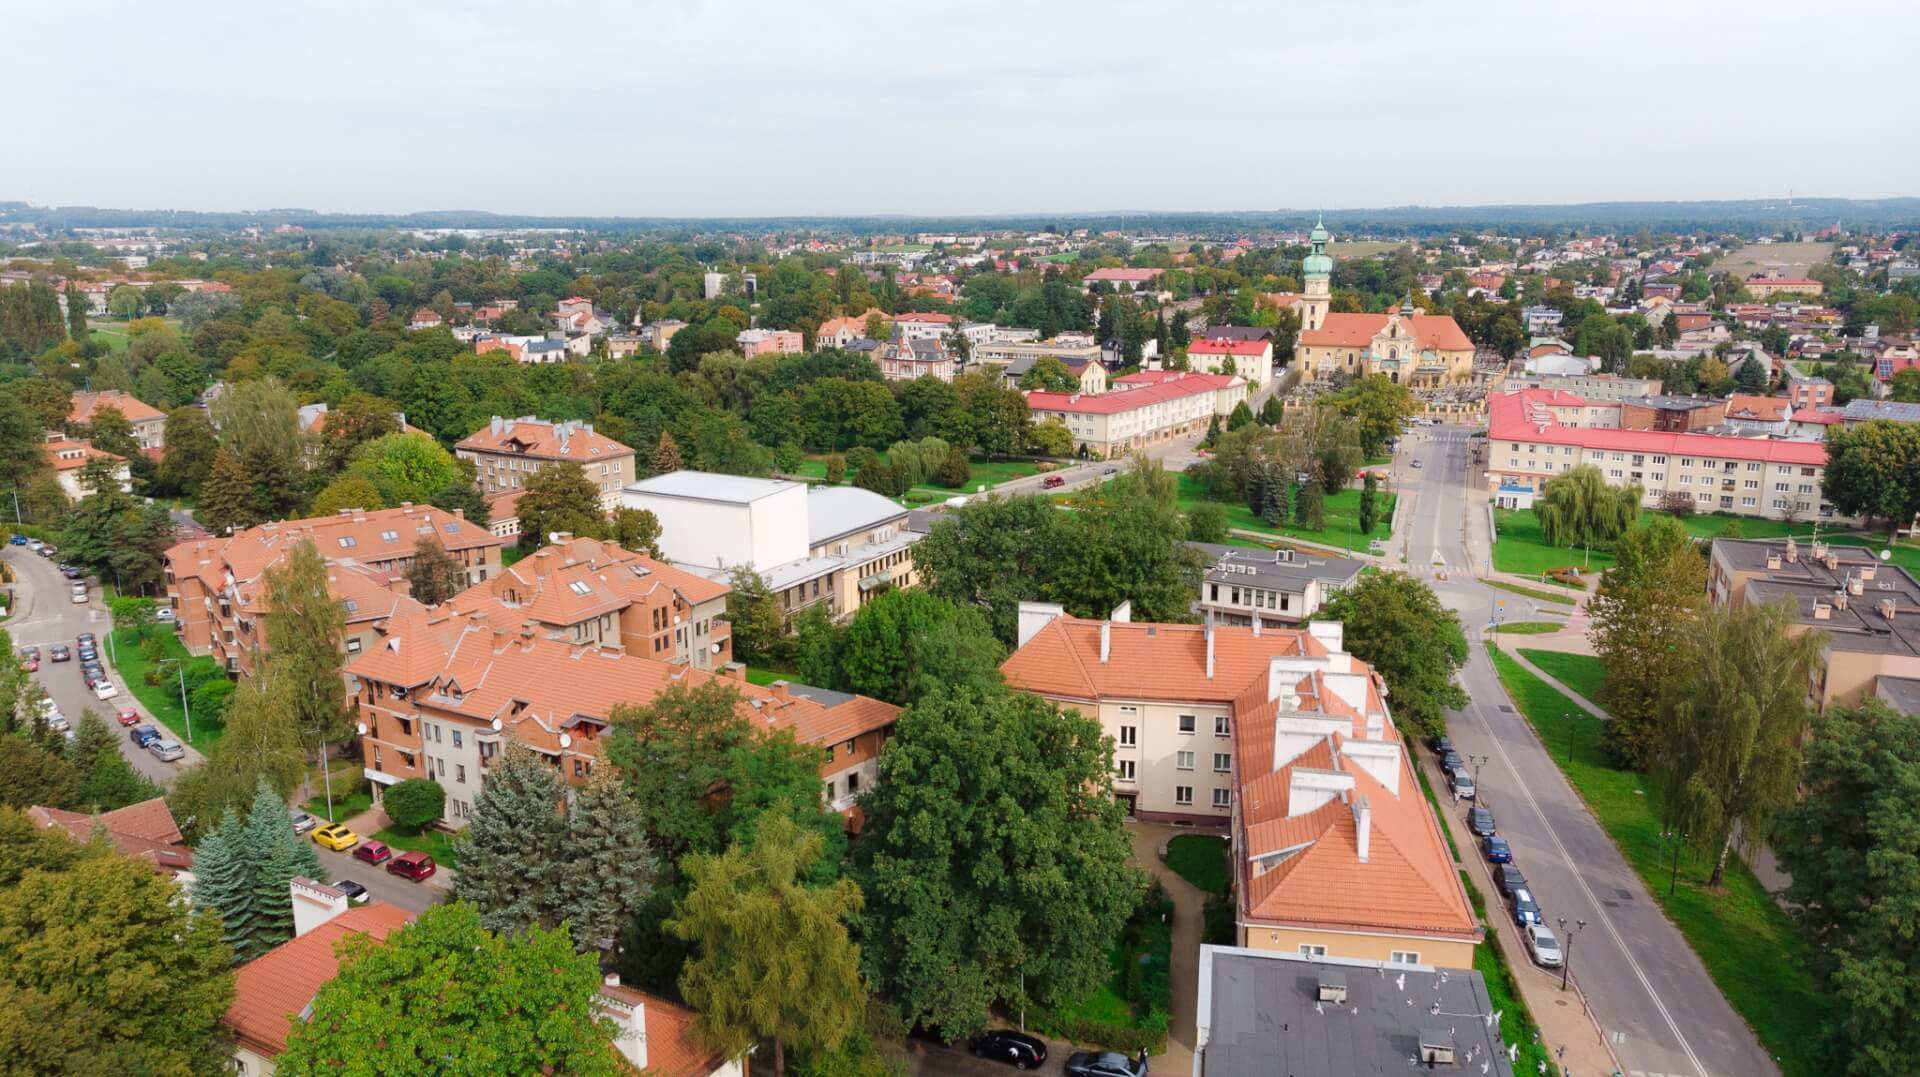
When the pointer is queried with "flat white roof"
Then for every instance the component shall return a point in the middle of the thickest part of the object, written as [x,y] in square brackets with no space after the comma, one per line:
[707,486]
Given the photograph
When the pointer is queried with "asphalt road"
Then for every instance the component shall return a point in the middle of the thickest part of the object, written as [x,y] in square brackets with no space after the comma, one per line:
[1650,994]
[48,616]
[411,896]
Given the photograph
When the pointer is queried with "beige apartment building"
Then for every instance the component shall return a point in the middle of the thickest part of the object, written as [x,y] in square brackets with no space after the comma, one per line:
[506,451]
[149,423]
[1141,409]
[1868,610]
[1284,740]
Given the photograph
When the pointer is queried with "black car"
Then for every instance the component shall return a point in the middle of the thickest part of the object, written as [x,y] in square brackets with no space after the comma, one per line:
[1480,822]
[356,894]
[1441,745]
[1017,1049]
[1105,1064]
[1451,761]
[87,653]
[1509,879]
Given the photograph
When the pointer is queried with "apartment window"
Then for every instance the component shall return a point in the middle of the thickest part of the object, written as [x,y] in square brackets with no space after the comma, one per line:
[1312,950]
[1780,487]
[1129,736]
[1126,770]
[853,783]
[848,747]
[1223,798]
[1404,957]
[1222,762]
[829,753]
[1183,794]
[1183,760]
[1220,728]
[460,773]
[353,645]
[1750,484]
[390,536]
[1686,461]
[1659,459]
[456,738]
[440,766]
[1187,723]
[1686,480]
[376,759]
[579,768]
[829,790]
[1749,502]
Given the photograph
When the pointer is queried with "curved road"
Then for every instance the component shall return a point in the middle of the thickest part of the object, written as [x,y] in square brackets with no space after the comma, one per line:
[1651,996]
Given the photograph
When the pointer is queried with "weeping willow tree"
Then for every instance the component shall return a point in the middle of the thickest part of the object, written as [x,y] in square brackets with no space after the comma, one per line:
[1735,724]
[1579,509]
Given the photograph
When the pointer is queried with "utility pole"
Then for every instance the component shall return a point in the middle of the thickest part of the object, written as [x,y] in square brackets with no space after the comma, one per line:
[1566,948]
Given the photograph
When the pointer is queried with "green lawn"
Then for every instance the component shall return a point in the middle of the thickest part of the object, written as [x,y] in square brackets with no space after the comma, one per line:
[1434,802]
[1341,512]
[511,553]
[1562,598]
[1581,672]
[1754,953]
[1520,548]
[163,699]
[435,843]
[1201,860]
[765,675]
[351,793]
[989,473]
[1530,628]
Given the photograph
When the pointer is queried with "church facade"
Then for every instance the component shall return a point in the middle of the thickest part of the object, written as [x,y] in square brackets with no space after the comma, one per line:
[1404,345]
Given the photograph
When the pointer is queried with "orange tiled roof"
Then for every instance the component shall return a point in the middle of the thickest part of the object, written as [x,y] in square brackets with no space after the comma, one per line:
[565,584]
[542,441]
[1437,331]
[1766,409]
[1147,661]
[673,1050]
[270,991]
[71,454]
[348,535]
[145,831]
[135,409]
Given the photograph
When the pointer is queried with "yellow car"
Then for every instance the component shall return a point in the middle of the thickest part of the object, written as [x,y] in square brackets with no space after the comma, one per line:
[335,837]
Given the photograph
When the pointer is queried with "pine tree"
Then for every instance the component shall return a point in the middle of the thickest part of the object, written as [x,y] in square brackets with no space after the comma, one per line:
[221,880]
[510,852]
[1273,411]
[1369,507]
[1308,507]
[77,317]
[1213,430]
[1259,475]
[609,866]
[666,454]
[273,856]
[1276,497]
[226,497]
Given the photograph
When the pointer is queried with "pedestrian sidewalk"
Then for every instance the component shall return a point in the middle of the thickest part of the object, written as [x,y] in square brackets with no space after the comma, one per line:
[1189,910]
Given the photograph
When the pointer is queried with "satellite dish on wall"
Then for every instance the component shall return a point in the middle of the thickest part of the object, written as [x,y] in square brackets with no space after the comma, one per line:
[362,727]
[566,740]
[496,725]
[1886,555]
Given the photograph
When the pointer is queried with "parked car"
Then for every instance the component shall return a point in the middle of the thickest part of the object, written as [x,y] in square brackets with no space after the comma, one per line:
[1543,946]
[59,652]
[1496,849]
[126,716]
[1450,761]
[48,550]
[1441,744]
[1463,785]
[104,688]
[87,653]
[1480,822]
[373,852]
[1417,463]
[1052,481]
[143,735]
[302,822]
[1017,1049]
[17,539]
[92,674]
[57,722]
[79,593]
[1525,909]
[164,614]
[167,750]
[336,837]
[1105,1064]
[34,544]
[1508,878]
[1111,471]
[415,866]
[356,894]
[86,639]
[72,572]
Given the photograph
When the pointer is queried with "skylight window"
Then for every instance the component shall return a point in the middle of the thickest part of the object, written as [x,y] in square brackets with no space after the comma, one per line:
[579,587]
[453,528]
[390,536]
[347,541]
[349,605]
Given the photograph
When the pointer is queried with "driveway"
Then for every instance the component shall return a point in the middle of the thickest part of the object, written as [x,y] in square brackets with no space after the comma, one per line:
[47,616]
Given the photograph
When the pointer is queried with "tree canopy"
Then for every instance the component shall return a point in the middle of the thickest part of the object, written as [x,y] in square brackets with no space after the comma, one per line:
[1397,625]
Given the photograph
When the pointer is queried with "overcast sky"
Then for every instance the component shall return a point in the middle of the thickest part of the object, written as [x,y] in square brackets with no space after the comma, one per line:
[750,108]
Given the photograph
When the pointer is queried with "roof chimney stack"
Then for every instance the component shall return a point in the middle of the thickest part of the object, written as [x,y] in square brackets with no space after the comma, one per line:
[1209,633]
[1363,826]
[1106,640]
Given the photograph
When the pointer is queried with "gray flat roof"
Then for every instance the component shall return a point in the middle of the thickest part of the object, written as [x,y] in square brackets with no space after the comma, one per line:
[1900,693]
[1238,564]
[1263,1017]
[1807,582]
[833,511]
[708,486]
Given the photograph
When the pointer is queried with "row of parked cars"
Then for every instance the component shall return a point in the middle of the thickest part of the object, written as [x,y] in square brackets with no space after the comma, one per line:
[1542,946]
[1024,1052]
[341,839]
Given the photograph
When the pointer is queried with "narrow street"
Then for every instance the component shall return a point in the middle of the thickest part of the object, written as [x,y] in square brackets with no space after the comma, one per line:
[1653,999]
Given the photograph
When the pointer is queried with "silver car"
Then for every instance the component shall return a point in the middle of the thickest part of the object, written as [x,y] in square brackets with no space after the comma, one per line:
[1544,947]
[167,750]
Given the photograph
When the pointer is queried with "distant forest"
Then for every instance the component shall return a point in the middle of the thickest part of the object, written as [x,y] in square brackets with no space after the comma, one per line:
[1744,217]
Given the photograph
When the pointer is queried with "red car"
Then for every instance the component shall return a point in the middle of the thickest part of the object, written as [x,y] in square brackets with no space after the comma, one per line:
[373,852]
[1052,481]
[415,866]
[126,716]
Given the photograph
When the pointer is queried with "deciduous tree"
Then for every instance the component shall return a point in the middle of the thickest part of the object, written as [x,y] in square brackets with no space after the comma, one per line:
[773,957]
[1873,469]
[1397,625]
[1579,508]
[1643,615]
[994,862]
[559,498]
[433,576]
[414,803]
[906,643]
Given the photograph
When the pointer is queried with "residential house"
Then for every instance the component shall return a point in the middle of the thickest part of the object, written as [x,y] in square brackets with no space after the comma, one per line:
[1140,409]
[1768,285]
[216,586]
[1090,374]
[918,325]
[1355,1016]
[660,333]
[1808,392]
[1249,360]
[769,342]
[1747,413]
[1285,738]
[1072,349]
[506,452]
[1869,611]
[425,318]
[839,332]
[907,358]
[70,456]
[1528,444]
[1865,410]
[1675,413]
[145,831]
[1127,280]
[1277,587]
[837,545]
[149,423]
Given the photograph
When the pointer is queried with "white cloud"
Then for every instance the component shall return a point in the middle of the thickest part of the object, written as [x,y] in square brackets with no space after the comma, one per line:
[776,108]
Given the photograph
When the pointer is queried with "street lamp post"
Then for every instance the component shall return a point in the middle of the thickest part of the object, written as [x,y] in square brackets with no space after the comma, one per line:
[1478,761]
[1678,839]
[1566,948]
[1570,730]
